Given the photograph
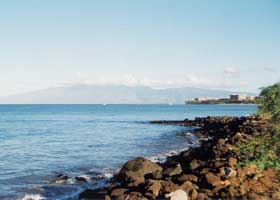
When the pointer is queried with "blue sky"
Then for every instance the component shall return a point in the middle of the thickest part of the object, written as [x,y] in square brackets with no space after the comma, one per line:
[160,43]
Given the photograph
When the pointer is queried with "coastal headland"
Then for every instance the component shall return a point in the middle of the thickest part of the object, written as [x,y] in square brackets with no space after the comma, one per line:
[230,164]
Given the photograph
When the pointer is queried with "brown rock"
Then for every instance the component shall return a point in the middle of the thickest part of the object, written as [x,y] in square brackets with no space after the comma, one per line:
[149,195]
[221,185]
[204,170]
[218,163]
[167,187]
[187,177]
[229,147]
[209,193]
[238,137]
[153,187]
[212,179]
[118,192]
[216,182]
[244,187]
[276,195]
[135,196]
[172,171]
[157,175]
[246,171]
[133,172]
[232,161]
[193,194]
[202,196]
[222,141]
[233,191]
[194,164]
[187,186]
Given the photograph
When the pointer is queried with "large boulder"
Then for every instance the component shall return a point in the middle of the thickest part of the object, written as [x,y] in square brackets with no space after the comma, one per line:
[168,186]
[134,171]
[187,186]
[187,177]
[212,179]
[216,182]
[153,187]
[135,196]
[157,175]
[118,193]
[172,171]
[90,194]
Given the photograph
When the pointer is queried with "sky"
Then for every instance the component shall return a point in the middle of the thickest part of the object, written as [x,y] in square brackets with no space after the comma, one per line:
[232,45]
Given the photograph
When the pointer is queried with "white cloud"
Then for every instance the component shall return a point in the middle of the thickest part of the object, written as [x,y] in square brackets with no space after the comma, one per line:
[270,69]
[231,72]
[222,80]
[190,80]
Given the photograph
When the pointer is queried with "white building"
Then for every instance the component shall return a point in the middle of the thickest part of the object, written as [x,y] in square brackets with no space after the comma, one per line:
[201,99]
[240,97]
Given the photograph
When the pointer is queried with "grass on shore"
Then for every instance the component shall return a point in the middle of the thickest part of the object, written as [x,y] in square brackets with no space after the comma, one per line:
[262,151]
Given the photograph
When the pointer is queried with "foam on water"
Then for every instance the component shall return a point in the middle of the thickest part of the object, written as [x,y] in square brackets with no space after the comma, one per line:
[71,188]
[33,197]
[161,158]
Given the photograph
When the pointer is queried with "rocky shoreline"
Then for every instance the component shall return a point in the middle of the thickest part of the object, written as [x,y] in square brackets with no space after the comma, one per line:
[211,171]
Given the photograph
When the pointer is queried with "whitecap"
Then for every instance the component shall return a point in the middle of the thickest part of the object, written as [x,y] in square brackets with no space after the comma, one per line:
[33,197]
[87,177]
[108,175]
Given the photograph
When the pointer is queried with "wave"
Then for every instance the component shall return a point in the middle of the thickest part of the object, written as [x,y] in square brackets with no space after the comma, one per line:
[33,197]
[162,157]
[69,188]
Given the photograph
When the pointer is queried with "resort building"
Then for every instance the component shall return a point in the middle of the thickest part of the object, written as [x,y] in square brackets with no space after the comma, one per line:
[238,97]
[234,98]
[201,99]
[251,98]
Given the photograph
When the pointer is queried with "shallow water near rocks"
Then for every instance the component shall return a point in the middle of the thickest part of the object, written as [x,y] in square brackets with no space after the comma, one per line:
[38,142]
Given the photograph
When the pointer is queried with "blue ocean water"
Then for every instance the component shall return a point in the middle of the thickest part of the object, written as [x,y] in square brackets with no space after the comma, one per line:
[38,142]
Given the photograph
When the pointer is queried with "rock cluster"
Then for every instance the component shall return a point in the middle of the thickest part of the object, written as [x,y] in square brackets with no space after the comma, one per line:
[210,171]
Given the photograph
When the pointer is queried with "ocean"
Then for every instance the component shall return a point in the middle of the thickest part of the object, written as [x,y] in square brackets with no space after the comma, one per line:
[39,142]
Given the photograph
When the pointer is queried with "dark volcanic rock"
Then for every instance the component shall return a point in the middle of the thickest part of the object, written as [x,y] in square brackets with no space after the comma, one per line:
[173,170]
[134,171]
[157,175]
[61,179]
[81,179]
[93,194]
[118,193]
[153,187]
[187,177]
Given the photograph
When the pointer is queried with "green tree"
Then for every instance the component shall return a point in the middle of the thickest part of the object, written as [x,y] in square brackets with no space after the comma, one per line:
[270,101]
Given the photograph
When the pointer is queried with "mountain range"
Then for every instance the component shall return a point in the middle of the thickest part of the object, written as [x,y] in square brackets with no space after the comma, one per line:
[112,94]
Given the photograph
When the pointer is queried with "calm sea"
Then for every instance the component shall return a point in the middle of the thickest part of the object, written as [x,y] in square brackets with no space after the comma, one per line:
[38,142]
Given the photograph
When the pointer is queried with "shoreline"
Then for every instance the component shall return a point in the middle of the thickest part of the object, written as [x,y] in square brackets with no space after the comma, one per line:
[100,180]
[208,171]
